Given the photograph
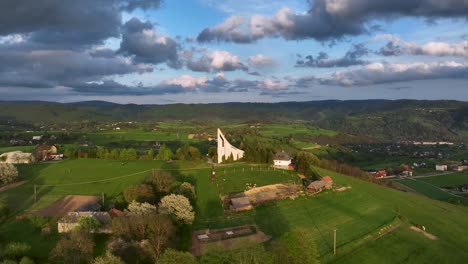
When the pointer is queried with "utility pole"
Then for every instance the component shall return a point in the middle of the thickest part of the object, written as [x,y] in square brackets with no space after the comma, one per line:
[103,201]
[334,242]
[35,193]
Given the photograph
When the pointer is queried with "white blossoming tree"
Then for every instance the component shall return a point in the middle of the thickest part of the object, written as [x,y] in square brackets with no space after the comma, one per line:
[179,206]
[137,208]
[8,173]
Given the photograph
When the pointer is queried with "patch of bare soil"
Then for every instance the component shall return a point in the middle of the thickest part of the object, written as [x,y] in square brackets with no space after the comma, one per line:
[67,204]
[314,147]
[219,237]
[426,234]
[272,192]
[12,185]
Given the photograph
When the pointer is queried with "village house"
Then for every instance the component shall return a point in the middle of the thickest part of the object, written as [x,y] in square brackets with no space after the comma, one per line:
[47,152]
[70,221]
[282,160]
[441,167]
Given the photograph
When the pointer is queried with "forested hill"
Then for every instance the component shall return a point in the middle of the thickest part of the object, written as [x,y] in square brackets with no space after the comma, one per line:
[396,120]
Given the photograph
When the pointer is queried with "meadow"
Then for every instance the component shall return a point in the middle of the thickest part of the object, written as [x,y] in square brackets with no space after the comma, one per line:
[272,130]
[449,180]
[106,137]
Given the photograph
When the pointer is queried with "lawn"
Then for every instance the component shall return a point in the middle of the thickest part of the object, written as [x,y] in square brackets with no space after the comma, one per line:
[448,180]
[426,189]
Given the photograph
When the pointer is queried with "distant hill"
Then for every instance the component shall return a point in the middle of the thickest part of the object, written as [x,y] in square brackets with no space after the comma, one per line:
[385,119]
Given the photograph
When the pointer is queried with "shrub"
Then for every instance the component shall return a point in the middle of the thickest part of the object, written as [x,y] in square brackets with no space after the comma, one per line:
[171,256]
[137,208]
[16,250]
[108,259]
[88,224]
[26,260]
[187,190]
[140,193]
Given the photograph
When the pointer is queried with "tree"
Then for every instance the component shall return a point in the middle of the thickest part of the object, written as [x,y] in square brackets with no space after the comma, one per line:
[150,155]
[171,256]
[16,250]
[8,173]
[140,193]
[212,152]
[75,248]
[179,206]
[159,231]
[187,152]
[88,224]
[132,154]
[164,153]
[162,182]
[26,260]
[186,189]
[108,258]
[123,154]
[114,154]
[3,209]
[136,208]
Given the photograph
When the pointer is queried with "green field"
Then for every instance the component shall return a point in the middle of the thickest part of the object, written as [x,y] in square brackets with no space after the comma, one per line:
[106,137]
[449,180]
[17,148]
[272,130]
[356,213]
[426,189]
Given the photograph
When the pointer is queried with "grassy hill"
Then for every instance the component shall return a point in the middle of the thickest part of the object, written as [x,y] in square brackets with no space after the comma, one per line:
[391,120]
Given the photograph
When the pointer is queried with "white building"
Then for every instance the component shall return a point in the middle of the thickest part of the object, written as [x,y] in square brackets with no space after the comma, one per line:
[17,157]
[226,150]
[441,167]
[282,159]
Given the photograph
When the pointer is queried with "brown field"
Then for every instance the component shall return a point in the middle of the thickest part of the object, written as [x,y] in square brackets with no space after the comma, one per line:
[67,204]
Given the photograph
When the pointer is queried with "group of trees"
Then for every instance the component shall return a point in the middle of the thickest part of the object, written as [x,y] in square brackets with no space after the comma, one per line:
[258,153]
[185,152]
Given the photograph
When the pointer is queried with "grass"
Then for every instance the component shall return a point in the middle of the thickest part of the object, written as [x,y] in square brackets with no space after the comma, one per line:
[17,148]
[272,130]
[449,180]
[426,189]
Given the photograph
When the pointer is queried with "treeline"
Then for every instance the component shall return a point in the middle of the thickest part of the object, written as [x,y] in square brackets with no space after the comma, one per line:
[185,152]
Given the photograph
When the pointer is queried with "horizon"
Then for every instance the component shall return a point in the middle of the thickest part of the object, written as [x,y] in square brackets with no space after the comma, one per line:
[204,51]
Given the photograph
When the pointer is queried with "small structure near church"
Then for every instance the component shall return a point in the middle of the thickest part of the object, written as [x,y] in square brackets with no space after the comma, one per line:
[226,150]
[282,160]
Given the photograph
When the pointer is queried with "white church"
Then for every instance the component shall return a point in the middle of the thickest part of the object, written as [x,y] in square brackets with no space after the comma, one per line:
[225,149]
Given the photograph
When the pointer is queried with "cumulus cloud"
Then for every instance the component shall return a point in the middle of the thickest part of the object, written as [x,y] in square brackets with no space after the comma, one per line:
[187,81]
[322,60]
[379,73]
[328,19]
[396,46]
[269,84]
[144,44]
[219,60]
[130,5]
[260,61]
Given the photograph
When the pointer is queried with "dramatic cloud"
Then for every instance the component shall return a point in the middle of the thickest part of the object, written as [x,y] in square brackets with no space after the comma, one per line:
[396,47]
[61,22]
[49,68]
[352,57]
[378,73]
[144,44]
[187,81]
[219,60]
[130,5]
[328,19]
[260,61]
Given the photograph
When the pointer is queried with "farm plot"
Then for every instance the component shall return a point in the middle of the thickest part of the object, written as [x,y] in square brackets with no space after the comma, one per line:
[449,180]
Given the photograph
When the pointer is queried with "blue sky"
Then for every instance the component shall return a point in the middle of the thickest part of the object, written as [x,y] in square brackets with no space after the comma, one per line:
[202,51]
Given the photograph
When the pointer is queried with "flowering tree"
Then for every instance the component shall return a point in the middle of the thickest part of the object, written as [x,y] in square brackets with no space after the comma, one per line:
[8,173]
[179,206]
[137,208]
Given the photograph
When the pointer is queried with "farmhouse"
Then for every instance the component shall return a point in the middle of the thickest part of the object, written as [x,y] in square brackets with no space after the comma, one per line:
[47,152]
[441,167]
[70,221]
[226,150]
[17,157]
[282,160]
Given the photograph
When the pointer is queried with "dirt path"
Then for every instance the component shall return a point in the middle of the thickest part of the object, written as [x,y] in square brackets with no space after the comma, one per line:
[12,185]
[426,234]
